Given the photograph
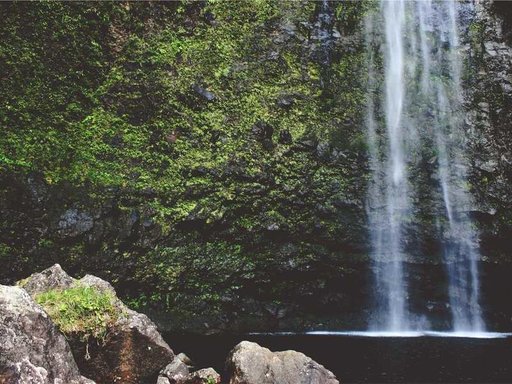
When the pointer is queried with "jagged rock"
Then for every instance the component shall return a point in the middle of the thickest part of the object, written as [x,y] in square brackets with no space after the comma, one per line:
[176,371]
[203,376]
[184,358]
[96,282]
[262,130]
[51,278]
[285,101]
[32,350]
[285,137]
[133,350]
[249,363]
[203,92]
[74,223]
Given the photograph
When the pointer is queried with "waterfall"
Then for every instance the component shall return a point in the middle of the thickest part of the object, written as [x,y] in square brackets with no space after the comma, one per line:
[415,112]
[388,193]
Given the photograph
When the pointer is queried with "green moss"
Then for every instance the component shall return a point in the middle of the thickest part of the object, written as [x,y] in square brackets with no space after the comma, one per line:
[80,311]
[101,99]
[5,251]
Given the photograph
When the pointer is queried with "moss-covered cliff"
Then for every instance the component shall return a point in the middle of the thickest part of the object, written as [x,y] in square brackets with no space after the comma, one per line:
[209,157]
[200,154]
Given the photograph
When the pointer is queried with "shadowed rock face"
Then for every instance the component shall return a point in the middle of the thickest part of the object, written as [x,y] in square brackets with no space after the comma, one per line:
[32,350]
[133,351]
[249,363]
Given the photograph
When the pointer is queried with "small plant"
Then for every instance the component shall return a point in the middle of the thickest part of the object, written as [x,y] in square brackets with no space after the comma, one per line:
[80,311]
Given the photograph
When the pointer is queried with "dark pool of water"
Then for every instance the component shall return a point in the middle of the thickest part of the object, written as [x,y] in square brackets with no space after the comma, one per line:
[362,359]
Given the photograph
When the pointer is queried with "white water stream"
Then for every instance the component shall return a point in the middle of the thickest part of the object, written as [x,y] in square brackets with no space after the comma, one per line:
[419,103]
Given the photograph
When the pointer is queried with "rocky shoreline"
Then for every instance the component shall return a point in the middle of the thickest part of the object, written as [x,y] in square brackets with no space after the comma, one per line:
[42,341]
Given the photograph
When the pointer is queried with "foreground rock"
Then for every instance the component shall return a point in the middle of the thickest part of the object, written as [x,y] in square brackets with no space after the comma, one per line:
[177,372]
[174,373]
[205,375]
[249,363]
[132,351]
[32,350]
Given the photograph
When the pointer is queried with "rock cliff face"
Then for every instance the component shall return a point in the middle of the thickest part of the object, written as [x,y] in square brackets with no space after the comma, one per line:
[490,102]
[210,159]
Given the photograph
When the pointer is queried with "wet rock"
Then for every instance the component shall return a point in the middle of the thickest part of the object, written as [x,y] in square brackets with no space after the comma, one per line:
[488,166]
[133,351]
[203,92]
[74,223]
[262,130]
[323,150]
[250,363]
[285,137]
[285,101]
[37,188]
[177,373]
[32,350]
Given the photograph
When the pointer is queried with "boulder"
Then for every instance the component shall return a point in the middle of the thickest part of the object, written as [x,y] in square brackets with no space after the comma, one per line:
[73,223]
[32,350]
[162,380]
[51,278]
[187,360]
[176,372]
[133,350]
[203,92]
[249,363]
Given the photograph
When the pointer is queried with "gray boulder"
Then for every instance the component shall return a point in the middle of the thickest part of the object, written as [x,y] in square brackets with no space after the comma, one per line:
[187,360]
[176,372]
[249,363]
[73,223]
[32,350]
[133,350]
[51,278]
[162,380]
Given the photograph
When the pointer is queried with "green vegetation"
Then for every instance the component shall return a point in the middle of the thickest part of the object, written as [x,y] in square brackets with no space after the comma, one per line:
[209,140]
[80,311]
[95,96]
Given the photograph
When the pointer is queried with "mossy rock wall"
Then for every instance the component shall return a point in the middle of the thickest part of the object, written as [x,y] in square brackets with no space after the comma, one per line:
[202,156]
[206,157]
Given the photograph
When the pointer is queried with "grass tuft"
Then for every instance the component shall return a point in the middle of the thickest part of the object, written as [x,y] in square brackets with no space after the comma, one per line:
[80,311]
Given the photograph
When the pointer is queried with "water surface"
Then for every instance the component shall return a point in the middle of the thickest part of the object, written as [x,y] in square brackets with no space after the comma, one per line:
[369,357]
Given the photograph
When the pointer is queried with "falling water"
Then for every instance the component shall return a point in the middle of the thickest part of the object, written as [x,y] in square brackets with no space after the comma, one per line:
[415,109]
[388,195]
